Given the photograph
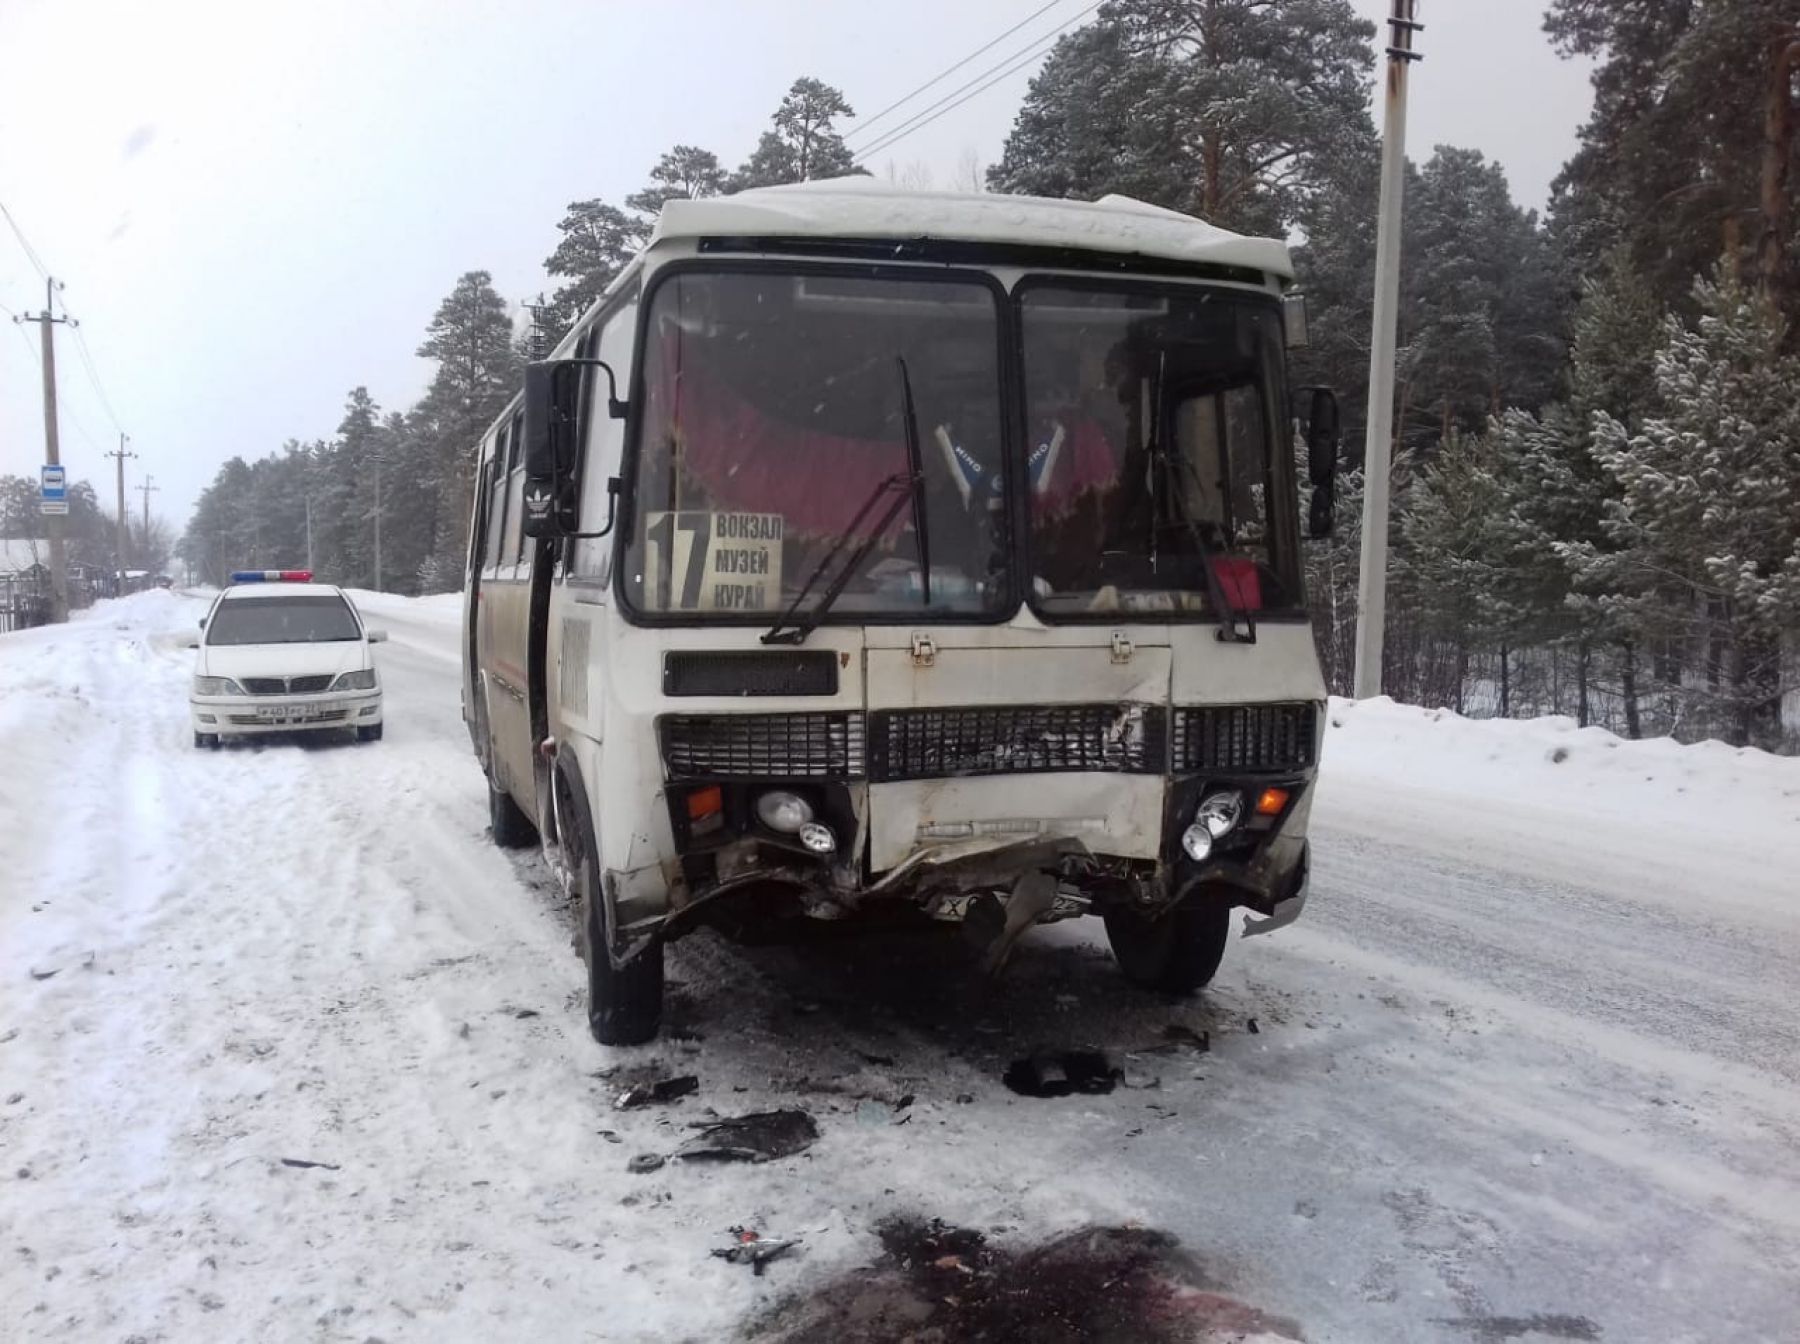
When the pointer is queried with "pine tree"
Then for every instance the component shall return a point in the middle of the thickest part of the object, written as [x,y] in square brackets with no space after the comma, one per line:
[1465,554]
[804,145]
[1689,154]
[1236,113]
[685,173]
[597,241]
[1709,506]
[470,337]
[1481,310]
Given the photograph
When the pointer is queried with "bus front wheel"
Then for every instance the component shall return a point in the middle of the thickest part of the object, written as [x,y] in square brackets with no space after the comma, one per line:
[624,997]
[1177,953]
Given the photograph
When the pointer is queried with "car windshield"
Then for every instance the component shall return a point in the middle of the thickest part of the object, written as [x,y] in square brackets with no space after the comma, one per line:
[312,619]
[1155,449]
[776,410]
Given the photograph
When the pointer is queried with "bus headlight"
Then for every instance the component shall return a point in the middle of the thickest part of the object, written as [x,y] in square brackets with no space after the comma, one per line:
[781,810]
[1220,812]
[1213,820]
[818,838]
[1196,842]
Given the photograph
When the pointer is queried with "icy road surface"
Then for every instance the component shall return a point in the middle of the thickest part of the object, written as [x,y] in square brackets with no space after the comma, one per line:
[1528,1069]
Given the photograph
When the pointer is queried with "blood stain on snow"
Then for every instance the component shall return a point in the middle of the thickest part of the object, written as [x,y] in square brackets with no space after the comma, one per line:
[935,1281]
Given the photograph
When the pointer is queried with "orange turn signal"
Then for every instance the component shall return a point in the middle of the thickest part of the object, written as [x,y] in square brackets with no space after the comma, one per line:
[1270,802]
[702,803]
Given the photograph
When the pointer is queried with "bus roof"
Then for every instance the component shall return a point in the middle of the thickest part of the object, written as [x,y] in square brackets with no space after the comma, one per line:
[861,207]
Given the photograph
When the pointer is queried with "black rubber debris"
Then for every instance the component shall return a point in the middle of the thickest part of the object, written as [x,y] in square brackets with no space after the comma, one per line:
[759,1137]
[1059,1073]
[645,1162]
[659,1092]
[304,1163]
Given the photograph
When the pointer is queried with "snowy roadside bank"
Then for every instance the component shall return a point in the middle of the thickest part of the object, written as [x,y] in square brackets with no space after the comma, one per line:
[1491,1088]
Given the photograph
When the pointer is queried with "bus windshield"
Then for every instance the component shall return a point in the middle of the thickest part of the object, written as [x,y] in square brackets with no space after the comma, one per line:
[776,408]
[1157,436]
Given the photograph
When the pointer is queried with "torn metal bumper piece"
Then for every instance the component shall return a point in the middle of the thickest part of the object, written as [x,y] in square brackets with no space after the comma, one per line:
[1285,911]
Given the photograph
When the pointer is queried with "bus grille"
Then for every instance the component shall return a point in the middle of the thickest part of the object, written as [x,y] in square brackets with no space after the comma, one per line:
[1254,738]
[765,746]
[1016,739]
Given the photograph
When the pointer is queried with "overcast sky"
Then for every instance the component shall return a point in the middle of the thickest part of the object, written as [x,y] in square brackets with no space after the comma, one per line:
[257,206]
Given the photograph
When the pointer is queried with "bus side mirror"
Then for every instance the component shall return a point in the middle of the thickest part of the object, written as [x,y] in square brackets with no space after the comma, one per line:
[552,390]
[1322,435]
[1293,314]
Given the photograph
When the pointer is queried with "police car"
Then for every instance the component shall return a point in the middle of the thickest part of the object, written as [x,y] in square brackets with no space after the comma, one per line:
[281,654]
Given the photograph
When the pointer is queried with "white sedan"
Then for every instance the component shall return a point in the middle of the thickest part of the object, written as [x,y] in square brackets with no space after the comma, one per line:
[279,654]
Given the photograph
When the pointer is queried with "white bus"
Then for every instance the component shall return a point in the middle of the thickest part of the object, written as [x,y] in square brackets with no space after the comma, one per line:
[865,552]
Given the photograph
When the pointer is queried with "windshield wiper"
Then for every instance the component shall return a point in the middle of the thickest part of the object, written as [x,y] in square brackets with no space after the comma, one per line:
[786,629]
[915,465]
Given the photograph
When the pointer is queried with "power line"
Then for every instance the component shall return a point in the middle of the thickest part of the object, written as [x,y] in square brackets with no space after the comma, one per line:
[30,251]
[87,362]
[66,411]
[943,74]
[1019,60]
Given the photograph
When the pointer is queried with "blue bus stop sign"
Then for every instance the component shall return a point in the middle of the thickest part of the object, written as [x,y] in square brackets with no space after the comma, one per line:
[53,492]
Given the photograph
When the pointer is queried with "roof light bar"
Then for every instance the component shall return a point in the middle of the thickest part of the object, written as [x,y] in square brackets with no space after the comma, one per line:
[271,576]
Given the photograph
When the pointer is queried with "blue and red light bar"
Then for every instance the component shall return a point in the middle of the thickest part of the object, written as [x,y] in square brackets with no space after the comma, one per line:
[271,576]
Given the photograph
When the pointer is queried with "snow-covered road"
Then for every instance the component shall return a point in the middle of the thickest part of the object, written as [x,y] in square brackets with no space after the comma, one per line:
[1528,1069]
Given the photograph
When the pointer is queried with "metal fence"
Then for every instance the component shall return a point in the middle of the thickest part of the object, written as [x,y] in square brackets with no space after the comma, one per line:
[25,598]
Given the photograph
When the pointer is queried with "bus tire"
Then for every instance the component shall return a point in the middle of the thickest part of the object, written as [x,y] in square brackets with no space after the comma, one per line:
[511,828]
[624,998]
[1176,953]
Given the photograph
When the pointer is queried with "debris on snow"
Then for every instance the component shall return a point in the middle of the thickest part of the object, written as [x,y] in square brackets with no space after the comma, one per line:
[749,1247]
[303,1163]
[645,1162]
[759,1137]
[1057,1073]
[658,1092]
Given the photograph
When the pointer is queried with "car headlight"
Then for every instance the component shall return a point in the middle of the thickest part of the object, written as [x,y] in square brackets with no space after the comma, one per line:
[216,686]
[356,681]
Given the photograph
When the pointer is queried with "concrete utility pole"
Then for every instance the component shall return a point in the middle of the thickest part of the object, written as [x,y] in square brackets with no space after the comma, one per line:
[147,488]
[119,566]
[59,570]
[1378,449]
[309,551]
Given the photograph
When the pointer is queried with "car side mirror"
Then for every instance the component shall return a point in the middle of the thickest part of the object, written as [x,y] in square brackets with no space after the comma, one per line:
[376,636]
[1322,446]
[552,433]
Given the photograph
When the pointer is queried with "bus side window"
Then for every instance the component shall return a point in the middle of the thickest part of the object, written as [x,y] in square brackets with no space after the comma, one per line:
[516,489]
[478,522]
[605,441]
[496,511]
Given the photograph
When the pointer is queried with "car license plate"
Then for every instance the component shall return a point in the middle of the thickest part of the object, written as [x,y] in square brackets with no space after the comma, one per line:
[272,713]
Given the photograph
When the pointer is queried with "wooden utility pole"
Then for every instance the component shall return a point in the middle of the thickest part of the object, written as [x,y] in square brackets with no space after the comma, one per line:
[147,488]
[59,570]
[123,531]
[1371,614]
